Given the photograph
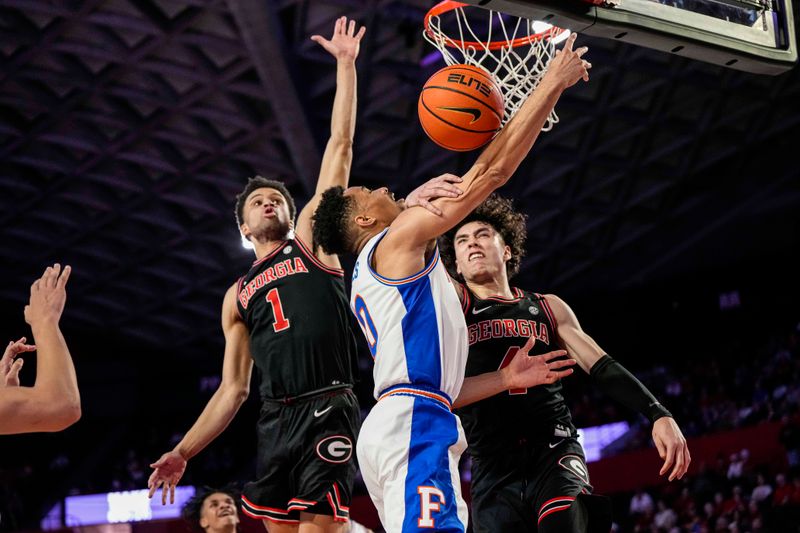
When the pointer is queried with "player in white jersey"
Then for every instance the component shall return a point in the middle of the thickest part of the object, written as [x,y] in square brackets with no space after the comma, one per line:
[410,443]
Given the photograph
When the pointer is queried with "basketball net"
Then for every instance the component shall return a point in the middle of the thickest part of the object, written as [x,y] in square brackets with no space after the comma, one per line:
[515,51]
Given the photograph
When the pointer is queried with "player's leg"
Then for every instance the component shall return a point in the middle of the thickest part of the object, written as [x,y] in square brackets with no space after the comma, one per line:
[275,527]
[408,451]
[496,489]
[324,466]
[266,498]
[432,487]
[316,523]
[563,502]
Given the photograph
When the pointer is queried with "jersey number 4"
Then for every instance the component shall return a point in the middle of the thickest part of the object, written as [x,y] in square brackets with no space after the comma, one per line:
[507,361]
[281,322]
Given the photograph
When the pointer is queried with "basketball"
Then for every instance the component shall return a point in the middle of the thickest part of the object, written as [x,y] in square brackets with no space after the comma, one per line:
[461,107]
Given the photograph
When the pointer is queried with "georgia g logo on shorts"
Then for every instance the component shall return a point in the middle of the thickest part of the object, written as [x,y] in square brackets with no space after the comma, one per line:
[335,449]
[574,464]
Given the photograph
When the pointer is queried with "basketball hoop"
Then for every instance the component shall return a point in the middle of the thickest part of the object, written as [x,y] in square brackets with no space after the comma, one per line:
[515,50]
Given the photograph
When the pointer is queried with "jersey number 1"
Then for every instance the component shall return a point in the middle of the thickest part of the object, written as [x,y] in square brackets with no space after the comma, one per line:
[507,361]
[281,322]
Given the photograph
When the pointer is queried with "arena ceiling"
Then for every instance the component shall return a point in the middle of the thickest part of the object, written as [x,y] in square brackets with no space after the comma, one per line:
[127,127]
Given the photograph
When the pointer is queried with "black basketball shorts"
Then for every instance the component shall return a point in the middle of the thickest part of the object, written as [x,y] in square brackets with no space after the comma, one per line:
[525,489]
[306,459]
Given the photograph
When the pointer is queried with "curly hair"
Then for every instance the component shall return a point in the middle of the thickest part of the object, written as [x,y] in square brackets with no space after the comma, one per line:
[192,509]
[499,213]
[259,182]
[331,226]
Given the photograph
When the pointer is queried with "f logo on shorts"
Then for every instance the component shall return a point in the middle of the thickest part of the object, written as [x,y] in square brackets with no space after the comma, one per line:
[426,506]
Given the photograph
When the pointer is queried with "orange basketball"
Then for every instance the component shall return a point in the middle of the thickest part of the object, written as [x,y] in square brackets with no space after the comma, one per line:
[461,107]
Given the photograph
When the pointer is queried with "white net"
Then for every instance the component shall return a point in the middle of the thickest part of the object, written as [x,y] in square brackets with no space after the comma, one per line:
[514,50]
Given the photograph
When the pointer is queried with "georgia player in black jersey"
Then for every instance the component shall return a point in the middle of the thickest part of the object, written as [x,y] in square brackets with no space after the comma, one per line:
[528,470]
[288,317]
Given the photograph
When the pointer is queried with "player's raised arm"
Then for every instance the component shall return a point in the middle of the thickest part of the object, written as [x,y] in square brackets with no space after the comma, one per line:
[615,381]
[500,159]
[53,403]
[344,45]
[237,366]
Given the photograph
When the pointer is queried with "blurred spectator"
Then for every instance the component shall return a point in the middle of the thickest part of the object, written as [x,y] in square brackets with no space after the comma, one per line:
[641,503]
[783,491]
[665,518]
[762,491]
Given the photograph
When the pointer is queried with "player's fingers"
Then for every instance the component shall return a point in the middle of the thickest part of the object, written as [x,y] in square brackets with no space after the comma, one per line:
[351,28]
[528,344]
[164,493]
[686,461]
[669,460]
[582,50]
[562,363]
[445,189]
[50,277]
[430,207]
[172,493]
[152,485]
[452,178]
[688,456]
[570,41]
[337,28]
[549,356]
[678,468]
[683,451]
[12,378]
[361,33]
[555,375]
[62,280]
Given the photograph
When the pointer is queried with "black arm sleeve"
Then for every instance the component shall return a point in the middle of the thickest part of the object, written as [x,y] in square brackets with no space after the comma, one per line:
[612,378]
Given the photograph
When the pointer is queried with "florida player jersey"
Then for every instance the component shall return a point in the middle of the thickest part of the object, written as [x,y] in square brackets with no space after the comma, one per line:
[497,329]
[295,308]
[414,326]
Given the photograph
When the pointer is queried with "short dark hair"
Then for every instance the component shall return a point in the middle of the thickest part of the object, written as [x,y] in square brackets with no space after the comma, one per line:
[259,182]
[499,213]
[332,222]
[191,510]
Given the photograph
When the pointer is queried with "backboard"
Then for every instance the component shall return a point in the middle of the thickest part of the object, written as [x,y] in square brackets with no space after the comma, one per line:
[751,35]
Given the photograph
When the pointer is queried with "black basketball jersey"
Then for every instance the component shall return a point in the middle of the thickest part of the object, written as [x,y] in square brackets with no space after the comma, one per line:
[498,328]
[295,308]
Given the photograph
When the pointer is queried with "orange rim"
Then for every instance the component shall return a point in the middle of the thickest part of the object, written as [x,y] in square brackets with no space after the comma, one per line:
[449,5]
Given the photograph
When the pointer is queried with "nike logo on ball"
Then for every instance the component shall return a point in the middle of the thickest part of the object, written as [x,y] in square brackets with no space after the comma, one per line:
[476,113]
[318,414]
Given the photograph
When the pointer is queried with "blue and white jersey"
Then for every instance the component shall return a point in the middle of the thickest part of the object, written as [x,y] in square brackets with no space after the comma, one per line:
[414,326]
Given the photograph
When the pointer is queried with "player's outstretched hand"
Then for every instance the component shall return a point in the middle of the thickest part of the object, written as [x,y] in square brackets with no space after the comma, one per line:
[672,447]
[48,296]
[9,365]
[438,187]
[531,370]
[567,65]
[168,472]
[345,42]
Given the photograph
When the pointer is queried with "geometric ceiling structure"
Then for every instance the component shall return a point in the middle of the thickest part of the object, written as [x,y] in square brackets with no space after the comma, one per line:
[127,128]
